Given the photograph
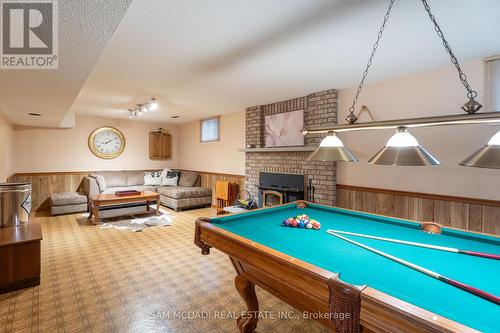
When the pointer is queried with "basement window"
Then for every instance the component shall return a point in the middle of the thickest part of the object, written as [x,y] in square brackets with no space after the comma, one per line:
[209,129]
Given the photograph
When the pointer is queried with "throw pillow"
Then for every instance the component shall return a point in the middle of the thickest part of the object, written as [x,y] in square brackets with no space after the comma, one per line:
[172,174]
[188,179]
[152,178]
[164,172]
[170,180]
[101,182]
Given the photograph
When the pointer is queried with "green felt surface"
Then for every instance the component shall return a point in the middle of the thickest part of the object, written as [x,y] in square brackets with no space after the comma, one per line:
[359,266]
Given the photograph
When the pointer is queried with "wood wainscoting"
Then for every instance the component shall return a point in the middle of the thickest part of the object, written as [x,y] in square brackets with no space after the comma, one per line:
[44,184]
[209,179]
[464,213]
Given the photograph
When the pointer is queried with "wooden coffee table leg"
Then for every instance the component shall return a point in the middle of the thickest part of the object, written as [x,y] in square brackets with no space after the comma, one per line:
[157,207]
[91,213]
[147,205]
[96,215]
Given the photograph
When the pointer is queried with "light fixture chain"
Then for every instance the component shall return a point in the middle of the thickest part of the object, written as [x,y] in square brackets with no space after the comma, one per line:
[352,117]
[470,93]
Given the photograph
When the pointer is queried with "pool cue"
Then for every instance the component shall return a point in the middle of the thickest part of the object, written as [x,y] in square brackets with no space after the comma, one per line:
[458,284]
[427,246]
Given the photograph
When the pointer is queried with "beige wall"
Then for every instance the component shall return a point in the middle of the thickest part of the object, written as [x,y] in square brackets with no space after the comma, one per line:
[434,93]
[47,150]
[6,140]
[221,156]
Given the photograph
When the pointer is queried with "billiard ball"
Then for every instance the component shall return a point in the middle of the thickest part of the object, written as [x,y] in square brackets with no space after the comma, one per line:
[309,226]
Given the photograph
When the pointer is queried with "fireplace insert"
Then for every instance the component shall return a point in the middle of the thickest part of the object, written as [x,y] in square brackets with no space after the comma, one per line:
[276,188]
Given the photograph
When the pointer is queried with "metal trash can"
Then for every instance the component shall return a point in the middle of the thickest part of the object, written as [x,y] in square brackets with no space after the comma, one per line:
[15,204]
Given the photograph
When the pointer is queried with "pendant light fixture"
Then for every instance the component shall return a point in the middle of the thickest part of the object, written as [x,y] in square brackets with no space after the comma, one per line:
[402,149]
[487,156]
[331,148]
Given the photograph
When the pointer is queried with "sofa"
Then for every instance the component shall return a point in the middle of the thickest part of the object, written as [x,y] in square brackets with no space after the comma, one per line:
[187,194]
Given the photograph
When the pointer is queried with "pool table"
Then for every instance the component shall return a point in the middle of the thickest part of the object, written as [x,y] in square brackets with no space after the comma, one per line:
[348,288]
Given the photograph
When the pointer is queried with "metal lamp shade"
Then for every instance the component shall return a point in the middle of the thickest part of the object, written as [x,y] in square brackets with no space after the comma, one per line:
[404,156]
[485,157]
[332,154]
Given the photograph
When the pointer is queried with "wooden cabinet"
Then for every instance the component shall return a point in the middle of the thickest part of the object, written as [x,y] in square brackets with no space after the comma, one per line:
[20,256]
[160,147]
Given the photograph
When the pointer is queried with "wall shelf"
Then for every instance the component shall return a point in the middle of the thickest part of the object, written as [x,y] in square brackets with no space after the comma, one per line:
[277,149]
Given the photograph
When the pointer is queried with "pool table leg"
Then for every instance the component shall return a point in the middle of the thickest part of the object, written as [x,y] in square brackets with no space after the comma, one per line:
[247,322]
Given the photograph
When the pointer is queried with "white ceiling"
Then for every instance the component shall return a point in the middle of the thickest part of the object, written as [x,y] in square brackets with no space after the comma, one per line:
[85,28]
[202,58]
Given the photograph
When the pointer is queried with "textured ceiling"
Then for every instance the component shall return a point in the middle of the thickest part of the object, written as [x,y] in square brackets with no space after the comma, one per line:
[202,58]
[85,28]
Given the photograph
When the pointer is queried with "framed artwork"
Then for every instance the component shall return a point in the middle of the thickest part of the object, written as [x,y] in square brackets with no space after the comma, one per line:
[283,129]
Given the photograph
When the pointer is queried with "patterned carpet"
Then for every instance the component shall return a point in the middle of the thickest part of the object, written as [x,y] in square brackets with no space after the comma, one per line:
[108,280]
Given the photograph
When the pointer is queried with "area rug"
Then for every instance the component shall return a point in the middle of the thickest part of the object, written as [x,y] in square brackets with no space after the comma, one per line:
[136,223]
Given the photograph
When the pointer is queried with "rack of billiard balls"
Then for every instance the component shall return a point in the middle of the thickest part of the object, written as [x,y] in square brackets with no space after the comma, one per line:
[302,221]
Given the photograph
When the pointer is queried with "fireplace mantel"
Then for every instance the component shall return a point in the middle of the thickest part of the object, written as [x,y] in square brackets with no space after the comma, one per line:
[277,149]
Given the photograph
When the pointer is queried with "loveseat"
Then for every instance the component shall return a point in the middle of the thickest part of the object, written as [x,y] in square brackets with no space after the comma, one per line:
[186,195]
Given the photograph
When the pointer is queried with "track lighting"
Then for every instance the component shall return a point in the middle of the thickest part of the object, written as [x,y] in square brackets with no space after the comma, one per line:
[154,104]
[140,109]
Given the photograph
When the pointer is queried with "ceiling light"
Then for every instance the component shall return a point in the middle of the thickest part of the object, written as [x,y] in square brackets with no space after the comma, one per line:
[34,114]
[153,104]
[331,148]
[175,117]
[487,156]
[140,109]
[402,149]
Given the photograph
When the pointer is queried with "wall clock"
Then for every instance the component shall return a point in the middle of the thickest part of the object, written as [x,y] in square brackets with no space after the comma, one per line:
[107,142]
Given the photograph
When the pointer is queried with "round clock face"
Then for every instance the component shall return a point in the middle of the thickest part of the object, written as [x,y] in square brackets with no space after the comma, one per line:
[107,142]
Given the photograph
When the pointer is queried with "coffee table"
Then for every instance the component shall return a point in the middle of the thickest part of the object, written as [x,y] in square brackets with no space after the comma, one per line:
[97,201]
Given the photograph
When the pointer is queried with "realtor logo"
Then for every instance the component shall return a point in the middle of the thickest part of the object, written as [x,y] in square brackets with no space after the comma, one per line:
[29,36]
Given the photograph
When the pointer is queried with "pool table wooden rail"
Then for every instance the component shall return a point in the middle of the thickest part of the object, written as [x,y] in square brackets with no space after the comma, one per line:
[310,288]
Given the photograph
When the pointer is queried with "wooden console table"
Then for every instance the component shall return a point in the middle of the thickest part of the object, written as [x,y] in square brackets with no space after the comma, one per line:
[20,256]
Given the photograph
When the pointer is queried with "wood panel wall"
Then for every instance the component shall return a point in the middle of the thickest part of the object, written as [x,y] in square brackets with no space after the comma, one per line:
[208,179]
[45,184]
[465,213]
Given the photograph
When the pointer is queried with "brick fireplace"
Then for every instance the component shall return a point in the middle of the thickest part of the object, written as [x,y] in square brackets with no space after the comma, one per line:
[320,108]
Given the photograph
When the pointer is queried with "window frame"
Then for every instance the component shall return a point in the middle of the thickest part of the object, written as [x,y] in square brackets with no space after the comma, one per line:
[490,97]
[218,129]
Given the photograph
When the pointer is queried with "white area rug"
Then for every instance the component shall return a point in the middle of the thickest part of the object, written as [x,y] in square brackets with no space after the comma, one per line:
[136,223]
